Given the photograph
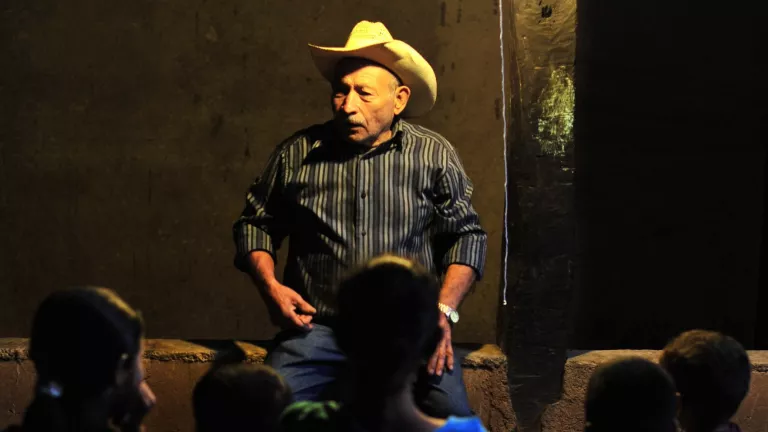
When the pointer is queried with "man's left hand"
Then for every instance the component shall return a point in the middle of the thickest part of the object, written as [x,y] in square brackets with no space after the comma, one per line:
[443,356]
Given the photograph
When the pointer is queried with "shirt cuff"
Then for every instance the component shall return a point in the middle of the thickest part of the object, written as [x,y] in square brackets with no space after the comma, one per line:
[249,238]
[469,250]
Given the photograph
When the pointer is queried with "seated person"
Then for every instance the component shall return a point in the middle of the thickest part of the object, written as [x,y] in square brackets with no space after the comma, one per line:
[238,396]
[86,345]
[385,351]
[630,395]
[712,373]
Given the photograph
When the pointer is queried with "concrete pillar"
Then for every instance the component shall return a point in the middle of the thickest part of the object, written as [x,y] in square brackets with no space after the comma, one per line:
[541,166]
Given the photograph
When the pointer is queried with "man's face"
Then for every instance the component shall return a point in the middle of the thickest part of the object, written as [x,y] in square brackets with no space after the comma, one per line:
[365,99]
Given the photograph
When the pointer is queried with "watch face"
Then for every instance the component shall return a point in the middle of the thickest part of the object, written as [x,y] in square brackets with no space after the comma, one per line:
[454,317]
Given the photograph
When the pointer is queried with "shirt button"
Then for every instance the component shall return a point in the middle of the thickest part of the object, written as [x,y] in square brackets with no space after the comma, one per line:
[363,233]
[363,195]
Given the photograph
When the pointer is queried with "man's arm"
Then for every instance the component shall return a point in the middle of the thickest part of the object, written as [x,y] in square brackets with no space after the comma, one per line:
[258,233]
[458,231]
[261,225]
[261,268]
[285,305]
[458,279]
[465,243]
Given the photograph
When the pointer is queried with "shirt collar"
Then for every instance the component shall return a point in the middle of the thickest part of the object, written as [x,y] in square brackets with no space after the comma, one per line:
[397,133]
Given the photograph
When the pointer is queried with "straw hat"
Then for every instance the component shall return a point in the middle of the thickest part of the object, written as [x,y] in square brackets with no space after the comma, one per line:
[372,41]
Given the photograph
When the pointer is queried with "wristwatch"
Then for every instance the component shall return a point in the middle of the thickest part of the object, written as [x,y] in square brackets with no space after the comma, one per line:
[452,314]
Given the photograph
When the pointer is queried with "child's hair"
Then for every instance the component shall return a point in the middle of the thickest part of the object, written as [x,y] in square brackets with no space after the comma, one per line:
[388,321]
[630,395]
[239,397]
[712,373]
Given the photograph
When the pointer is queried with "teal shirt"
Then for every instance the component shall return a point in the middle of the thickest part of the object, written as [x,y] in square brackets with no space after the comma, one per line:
[328,416]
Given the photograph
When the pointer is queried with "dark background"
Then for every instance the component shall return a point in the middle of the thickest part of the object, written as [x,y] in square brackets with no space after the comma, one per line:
[670,181]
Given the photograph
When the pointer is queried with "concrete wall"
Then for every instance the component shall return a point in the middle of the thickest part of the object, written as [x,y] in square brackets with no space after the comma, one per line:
[130,130]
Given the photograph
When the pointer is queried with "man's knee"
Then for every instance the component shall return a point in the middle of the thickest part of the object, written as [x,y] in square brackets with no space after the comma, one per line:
[309,362]
[443,396]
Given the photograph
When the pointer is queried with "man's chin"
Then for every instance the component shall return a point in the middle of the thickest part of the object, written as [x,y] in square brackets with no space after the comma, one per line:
[356,139]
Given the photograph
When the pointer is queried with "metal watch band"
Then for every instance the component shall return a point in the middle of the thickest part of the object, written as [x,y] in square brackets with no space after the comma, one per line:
[450,313]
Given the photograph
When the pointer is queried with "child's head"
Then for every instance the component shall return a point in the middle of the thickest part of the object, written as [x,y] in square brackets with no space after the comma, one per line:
[630,395]
[86,344]
[388,322]
[712,373]
[240,397]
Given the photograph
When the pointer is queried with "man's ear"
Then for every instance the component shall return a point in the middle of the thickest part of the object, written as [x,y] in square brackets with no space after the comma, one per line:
[402,95]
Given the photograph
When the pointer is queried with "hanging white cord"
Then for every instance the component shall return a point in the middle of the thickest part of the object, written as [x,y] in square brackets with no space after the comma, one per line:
[504,134]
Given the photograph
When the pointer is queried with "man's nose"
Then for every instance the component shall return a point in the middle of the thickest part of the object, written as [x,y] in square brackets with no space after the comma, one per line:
[350,104]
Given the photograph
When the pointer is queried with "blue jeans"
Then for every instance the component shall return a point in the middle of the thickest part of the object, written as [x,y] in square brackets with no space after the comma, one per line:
[312,365]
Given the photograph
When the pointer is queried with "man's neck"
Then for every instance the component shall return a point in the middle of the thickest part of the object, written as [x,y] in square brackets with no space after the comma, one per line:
[384,137]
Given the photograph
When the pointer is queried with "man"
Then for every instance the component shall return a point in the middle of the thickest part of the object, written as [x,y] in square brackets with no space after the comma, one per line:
[630,394]
[712,373]
[360,185]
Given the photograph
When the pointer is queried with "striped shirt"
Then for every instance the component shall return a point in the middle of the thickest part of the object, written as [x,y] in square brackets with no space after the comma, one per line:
[341,204]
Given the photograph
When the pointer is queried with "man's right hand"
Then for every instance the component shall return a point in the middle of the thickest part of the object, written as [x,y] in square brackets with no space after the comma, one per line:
[293,311]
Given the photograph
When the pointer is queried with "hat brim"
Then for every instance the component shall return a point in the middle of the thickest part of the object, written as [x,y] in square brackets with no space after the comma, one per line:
[397,56]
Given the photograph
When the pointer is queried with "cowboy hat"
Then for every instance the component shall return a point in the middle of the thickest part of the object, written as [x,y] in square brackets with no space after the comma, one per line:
[372,41]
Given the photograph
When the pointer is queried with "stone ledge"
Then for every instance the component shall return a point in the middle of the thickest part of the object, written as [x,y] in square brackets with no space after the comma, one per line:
[202,351]
[567,415]
[174,366]
[13,349]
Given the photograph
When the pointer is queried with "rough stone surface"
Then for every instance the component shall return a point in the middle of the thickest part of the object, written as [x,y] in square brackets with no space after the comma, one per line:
[129,134]
[13,349]
[174,366]
[485,376]
[17,379]
[542,236]
[567,415]
[198,352]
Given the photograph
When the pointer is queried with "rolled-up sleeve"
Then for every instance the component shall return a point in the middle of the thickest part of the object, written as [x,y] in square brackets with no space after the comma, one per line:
[262,224]
[457,224]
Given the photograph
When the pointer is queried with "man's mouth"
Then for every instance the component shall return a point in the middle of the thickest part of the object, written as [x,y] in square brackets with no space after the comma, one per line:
[349,123]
